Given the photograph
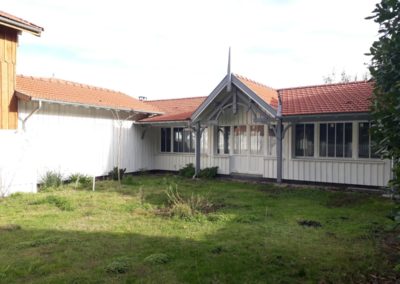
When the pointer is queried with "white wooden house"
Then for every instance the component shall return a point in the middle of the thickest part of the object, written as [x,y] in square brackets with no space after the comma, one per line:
[305,134]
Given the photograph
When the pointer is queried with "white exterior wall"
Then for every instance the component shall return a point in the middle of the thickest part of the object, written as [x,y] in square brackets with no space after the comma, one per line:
[357,171]
[71,139]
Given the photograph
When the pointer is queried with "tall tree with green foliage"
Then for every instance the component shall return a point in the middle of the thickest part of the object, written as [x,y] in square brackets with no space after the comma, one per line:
[385,71]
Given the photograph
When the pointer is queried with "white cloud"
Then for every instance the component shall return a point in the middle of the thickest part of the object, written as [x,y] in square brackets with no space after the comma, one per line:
[178,48]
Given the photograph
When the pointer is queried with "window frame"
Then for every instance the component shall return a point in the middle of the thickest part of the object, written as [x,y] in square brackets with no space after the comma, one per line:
[371,155]
[167,140]
[305,148]
[243,140]
[327,140]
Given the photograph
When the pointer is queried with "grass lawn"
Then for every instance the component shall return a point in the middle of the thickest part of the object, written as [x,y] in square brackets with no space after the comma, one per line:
[249,234]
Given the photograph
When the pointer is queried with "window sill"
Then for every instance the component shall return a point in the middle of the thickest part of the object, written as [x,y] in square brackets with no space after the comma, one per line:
[342,160]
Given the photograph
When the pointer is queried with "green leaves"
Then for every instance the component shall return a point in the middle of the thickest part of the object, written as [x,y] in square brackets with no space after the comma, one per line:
[385,70]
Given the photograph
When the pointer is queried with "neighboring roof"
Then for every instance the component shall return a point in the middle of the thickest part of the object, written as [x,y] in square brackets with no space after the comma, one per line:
[175,109]
[351,97]
[19,24]
[66,92]
[267,94]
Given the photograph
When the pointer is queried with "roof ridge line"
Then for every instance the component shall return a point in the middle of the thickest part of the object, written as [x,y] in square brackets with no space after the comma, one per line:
[323,85]
[73,83]
[253,81]
[173,99]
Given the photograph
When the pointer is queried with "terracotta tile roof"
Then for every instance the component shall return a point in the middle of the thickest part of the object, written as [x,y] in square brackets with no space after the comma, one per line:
[331,98]
[175,109]
[61,91]
[268,94]
[15,19]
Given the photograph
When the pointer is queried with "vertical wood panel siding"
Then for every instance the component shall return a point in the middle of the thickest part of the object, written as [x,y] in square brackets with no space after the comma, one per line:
[72,139]
[8,101]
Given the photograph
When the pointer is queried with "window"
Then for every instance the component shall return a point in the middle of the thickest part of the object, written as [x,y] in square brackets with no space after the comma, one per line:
[178,140]
[365,143]
[256,139]
[335,140]
[223,136]
[165,139]
[239,139]
[304,140]
[272,140]
[189,138]
[204,141]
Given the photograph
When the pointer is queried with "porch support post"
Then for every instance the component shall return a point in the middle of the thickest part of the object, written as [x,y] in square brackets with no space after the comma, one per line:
[279,143]
[197,150]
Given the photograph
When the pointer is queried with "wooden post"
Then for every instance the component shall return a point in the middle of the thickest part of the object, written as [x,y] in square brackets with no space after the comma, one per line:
[8,100]
[198,149]
[279,136]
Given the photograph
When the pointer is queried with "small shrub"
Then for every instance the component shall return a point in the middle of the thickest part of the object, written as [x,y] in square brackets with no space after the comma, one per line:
[208,172]
[80,180]
[51,179]
[119,265]
[187,171]
[60,202]
[157,258]
[182,210]
[113,174]
[187,207]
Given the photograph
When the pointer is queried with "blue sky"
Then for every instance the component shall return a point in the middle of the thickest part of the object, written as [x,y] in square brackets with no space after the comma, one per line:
[176,48]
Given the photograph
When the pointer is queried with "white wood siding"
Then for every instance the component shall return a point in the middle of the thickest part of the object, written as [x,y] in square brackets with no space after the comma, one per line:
[71,139]
[357,171]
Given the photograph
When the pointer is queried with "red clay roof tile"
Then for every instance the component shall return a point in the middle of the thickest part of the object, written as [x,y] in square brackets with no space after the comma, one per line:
[74,93]
[175,109]
[331,98]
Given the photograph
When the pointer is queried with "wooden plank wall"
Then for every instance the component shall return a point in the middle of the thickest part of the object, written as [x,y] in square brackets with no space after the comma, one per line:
[8,101]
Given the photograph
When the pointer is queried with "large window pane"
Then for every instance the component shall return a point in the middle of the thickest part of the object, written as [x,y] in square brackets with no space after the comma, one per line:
[239,139]
[178,140]
[322,140]
[331,140]
[309,141]
[363,140]
[256,139]
[299,137]
[223,135]
[348,140]
[271,141]
[204,141]
[304,140]
[165,139]
[339,140]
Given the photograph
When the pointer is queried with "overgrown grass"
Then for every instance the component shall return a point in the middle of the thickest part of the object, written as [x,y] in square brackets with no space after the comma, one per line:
[253,234]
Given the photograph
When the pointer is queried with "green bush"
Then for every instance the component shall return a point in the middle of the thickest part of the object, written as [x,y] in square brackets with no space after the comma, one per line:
[113,174]
[187,171]
[51,179]
[208,172]
[188,207]
[80,180]
[119,265]
[157,258]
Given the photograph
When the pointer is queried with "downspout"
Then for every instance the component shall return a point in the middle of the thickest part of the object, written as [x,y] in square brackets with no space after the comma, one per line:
[29,115]
[279,142]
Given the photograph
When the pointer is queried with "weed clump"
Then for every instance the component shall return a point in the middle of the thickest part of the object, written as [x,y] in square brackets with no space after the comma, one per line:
[80,180]
[119,265]
[113,174]
[60,202]
[186,208]
[51,179]
[157,258]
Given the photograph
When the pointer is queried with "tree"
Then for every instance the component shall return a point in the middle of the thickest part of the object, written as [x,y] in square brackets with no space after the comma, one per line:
[385,71]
